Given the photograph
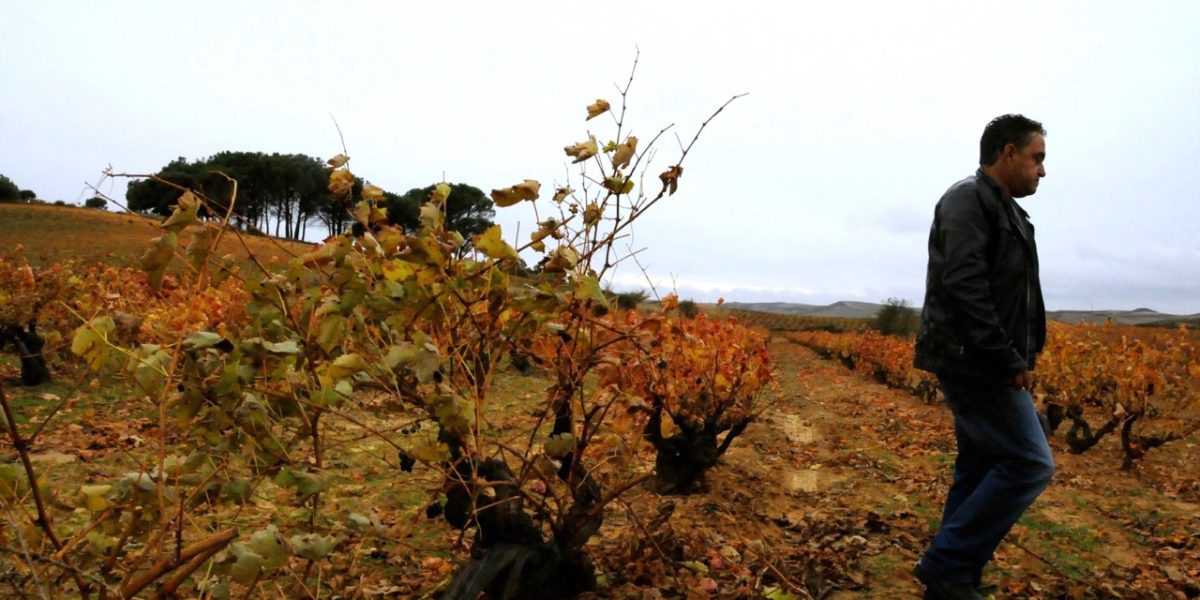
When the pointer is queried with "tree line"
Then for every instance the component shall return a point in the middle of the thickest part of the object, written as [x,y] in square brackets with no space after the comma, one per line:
[283,194]
[11,192]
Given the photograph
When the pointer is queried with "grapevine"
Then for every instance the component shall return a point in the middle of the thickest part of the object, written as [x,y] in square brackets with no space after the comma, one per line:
[1140,381]
[249,374]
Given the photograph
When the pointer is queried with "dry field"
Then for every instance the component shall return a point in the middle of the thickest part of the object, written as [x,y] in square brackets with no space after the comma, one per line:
[50,233]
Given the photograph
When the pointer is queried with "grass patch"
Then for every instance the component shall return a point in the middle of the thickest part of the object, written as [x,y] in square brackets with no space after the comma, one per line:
[1153,522]
[929,514]
[944,460]
[885,462]
[1061,543]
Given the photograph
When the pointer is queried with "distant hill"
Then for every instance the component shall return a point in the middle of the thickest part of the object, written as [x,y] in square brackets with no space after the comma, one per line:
[847,309]
[1137,316]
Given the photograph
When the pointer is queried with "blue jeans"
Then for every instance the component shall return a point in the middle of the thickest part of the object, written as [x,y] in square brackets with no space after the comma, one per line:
[1003,464]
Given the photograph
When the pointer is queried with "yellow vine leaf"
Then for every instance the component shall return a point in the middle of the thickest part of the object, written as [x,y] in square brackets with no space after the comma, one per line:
[91,341]
[493,246]
[362,213]
[593,212]
[441,192]
[341,183]
[326,253]
[722,384]
[596,109]
[93,497]
[372,192]
[428,449]
[624,153]
[588,287]
[201,245]
[563,258]
[526,190]
[397,270]
[184,214]
[432,217]
[331,332]
[583,150]
[149,367]
[618,184]
[158,256]
[345,366]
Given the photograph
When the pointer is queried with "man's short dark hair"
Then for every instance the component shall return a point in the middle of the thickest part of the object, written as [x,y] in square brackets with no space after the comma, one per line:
[1005,130]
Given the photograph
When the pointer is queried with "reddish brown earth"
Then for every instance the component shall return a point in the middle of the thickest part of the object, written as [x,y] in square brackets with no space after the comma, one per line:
[836,492]
[833,493]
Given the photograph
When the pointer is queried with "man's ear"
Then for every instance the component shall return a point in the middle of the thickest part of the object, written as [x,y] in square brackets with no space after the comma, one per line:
[1009,150]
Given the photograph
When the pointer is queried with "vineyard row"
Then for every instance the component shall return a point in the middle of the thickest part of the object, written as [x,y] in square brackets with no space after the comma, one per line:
[1142,382]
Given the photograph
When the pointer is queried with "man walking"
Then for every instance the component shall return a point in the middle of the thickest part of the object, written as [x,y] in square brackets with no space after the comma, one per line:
[982,326]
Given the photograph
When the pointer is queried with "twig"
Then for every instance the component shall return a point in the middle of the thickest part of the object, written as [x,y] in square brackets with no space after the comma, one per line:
[300,583]
[111,561]
[343,138]
[208,201]
[646,274]
[208,546]
[625,91]
[172,584]
[21,445]
[649,536]
[43,520]
[161,484]
[616,493]
[81,535]
[782,578]
[253,585]
[212,249]
[29,558]
[706,121]
[143,218]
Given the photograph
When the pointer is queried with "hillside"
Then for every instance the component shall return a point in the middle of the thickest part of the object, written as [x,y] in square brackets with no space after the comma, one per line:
[51,233]
[1137,316]
[858,310]
[844,309]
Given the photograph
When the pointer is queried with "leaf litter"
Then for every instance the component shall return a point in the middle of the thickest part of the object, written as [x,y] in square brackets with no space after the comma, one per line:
[833,493]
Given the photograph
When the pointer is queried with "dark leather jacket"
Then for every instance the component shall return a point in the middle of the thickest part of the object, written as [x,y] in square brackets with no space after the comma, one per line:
[983,317]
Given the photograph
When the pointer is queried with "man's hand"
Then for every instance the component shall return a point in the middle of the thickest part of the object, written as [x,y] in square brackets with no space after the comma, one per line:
[1021,380]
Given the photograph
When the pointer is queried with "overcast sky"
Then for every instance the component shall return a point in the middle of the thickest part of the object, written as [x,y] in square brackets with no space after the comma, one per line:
[818,186]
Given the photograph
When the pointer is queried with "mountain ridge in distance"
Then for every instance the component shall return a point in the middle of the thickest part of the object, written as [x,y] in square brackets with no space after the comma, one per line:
[852,309]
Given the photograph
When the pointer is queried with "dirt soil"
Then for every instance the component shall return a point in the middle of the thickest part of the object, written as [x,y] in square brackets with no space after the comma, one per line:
[836,492]
[833,493]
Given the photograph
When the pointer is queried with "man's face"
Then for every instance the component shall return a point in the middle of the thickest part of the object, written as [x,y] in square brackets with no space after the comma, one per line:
[1025,166]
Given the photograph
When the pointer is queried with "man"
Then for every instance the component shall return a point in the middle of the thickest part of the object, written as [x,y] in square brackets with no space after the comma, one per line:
[982,327]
